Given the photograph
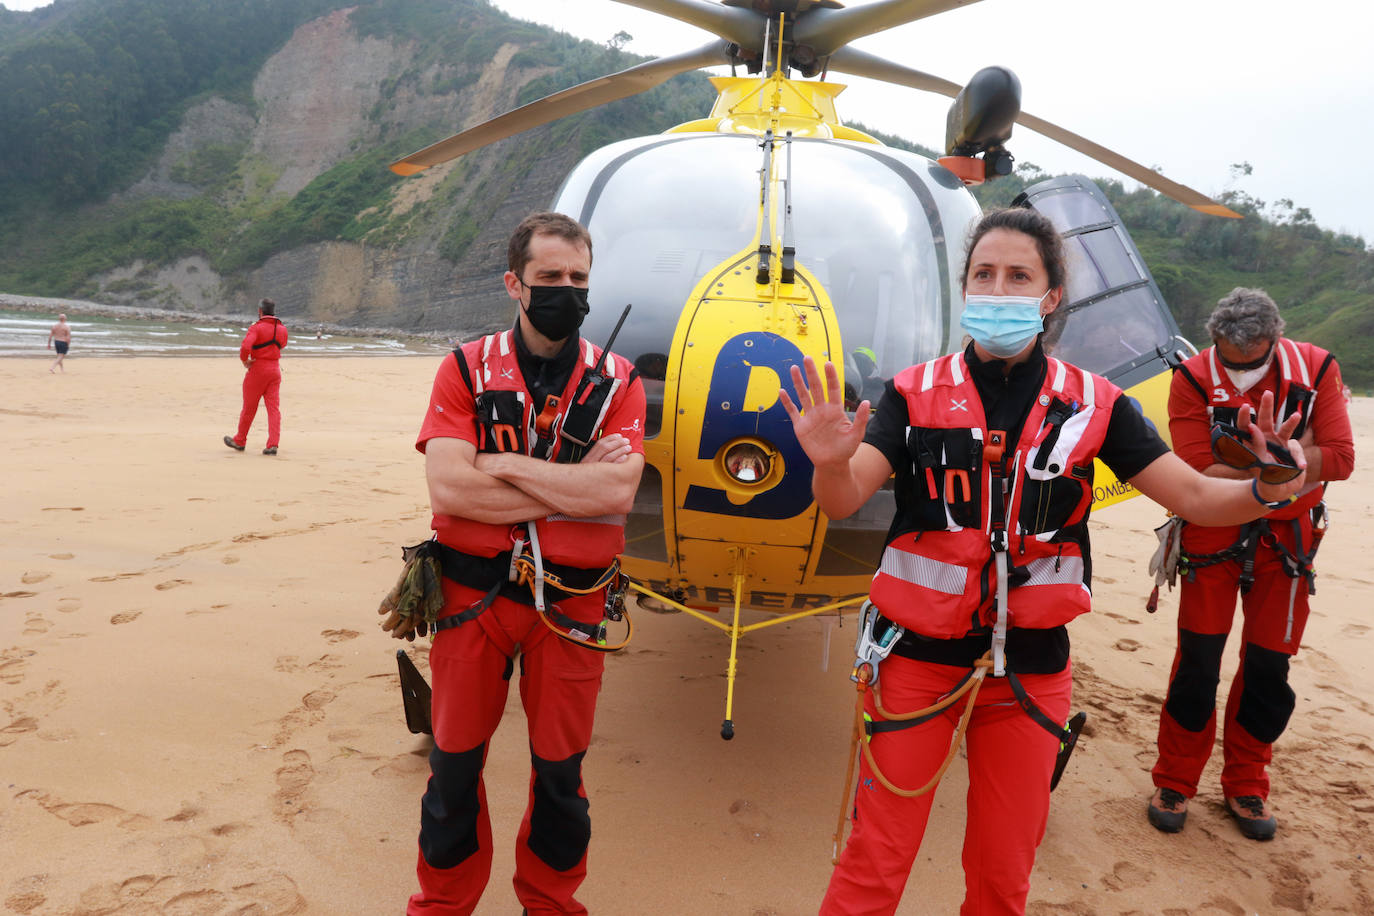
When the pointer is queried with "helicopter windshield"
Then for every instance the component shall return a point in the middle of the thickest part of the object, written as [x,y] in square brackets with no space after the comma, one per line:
[880,229]
[1114,321]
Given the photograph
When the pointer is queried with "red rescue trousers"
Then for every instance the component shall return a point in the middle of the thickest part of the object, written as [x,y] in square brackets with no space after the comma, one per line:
[1010,760]
[471,666]
[262,382]
[1260,701]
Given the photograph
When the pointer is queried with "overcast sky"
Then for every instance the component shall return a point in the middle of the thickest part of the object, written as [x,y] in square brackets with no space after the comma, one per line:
[1185,86]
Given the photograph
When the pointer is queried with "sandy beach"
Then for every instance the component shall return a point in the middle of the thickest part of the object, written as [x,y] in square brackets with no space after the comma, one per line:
[199,715]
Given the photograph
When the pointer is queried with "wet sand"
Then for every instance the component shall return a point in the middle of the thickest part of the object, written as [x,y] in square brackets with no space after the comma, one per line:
[198,714]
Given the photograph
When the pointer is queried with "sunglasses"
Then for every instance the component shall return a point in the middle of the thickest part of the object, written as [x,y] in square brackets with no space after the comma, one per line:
[1232,448]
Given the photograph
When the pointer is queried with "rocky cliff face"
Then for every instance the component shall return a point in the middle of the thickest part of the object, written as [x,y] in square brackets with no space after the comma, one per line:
[319,101]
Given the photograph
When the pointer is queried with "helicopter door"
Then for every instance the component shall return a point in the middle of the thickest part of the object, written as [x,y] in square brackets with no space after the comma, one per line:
[1113,320]
[740,477]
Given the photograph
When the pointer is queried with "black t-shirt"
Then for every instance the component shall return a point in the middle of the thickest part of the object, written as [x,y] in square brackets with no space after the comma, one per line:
[1130,445]
[546,376]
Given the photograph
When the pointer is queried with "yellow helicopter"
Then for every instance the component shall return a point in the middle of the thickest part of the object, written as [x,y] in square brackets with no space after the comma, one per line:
[769,231]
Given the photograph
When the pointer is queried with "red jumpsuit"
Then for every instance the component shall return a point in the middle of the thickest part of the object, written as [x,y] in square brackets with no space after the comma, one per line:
[1274,609]
[935,579]
[263,345]
[471,666]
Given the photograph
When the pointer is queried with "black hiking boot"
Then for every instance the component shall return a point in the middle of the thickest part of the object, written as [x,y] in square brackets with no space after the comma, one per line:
[1168,809]
[1253,817]
[229,441]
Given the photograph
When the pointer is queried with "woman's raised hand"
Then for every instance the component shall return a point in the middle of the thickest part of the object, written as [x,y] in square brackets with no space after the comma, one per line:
[825,431]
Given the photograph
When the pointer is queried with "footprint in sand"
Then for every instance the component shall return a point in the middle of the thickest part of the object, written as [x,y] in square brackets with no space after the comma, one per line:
[1126,645]
[64,508]
[29,578]
[13,661]
[61,556]
[23,725]
[81,814]
[125,617]
[293,781]
[229,560]
[278,517]
[335,636]
[751,820]
[1126,875]
[116,577]
[35,625]
[171,583]
[68,605]
[186,813]
[1350,630]
[27,894]
[17,594]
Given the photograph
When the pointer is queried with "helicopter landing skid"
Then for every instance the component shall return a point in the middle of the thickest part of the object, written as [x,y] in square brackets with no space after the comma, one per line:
[736,631]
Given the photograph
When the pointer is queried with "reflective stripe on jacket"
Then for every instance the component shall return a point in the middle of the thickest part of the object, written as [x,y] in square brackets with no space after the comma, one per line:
[938,579]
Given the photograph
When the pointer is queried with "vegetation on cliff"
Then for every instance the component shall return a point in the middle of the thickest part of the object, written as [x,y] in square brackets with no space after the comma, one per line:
[91,91]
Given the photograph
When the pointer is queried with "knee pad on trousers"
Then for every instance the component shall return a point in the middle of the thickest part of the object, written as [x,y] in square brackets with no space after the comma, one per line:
[560,823]
[449,808]
[1267,701]
[1193,691]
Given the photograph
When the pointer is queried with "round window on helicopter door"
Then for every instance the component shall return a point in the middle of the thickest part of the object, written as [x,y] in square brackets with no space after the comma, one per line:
[750,463]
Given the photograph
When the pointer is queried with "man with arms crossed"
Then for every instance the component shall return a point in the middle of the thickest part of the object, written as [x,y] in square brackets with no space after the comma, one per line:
[506,480]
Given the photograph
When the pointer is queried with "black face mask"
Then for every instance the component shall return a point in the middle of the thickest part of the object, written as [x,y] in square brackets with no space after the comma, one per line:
[557,311]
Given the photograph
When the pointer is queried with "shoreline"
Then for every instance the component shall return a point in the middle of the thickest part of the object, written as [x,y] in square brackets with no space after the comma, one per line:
[10,302]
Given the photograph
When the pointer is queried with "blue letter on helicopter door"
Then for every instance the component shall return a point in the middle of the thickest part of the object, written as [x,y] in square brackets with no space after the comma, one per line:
[726,419]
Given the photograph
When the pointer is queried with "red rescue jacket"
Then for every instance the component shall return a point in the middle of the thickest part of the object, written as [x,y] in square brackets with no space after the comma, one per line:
[265,339]
[939,580]
[1301,367]
[508,421]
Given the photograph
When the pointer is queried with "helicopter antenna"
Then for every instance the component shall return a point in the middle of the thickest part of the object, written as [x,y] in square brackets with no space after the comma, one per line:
[765,249]
[789,251]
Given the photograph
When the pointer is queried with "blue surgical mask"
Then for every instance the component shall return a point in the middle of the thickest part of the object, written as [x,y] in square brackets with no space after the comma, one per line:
[1002,325]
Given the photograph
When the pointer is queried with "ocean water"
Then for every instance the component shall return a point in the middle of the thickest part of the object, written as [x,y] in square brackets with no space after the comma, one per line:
[26,334]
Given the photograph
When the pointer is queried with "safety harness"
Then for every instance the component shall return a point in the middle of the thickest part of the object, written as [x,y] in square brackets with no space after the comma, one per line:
[561,433]
[1297,562]
[520,575]
[273,342]
[878,635]
[1170,560]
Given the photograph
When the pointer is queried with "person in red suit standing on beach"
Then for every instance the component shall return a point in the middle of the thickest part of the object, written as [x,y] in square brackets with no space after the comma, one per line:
[260,354]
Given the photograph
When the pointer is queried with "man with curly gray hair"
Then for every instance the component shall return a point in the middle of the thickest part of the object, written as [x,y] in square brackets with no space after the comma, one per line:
[1268,561]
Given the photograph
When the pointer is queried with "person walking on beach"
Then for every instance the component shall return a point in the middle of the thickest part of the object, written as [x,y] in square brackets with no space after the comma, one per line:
[1268,561]
[987,560]
[260,354]
[510,483]
[60,339]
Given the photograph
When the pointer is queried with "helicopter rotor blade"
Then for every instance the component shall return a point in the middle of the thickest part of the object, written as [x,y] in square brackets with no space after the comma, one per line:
[828,30]
[744,27]
[860,63]
[600,91]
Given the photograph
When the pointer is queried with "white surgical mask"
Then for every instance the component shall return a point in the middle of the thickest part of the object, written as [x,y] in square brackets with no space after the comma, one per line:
[1247,379]
[1002,325]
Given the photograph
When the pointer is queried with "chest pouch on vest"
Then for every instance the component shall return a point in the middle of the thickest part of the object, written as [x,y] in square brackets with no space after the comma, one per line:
[584,415]
[947,467]
[1054,487]
[501,418]
[1299,400]
[1228,415]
